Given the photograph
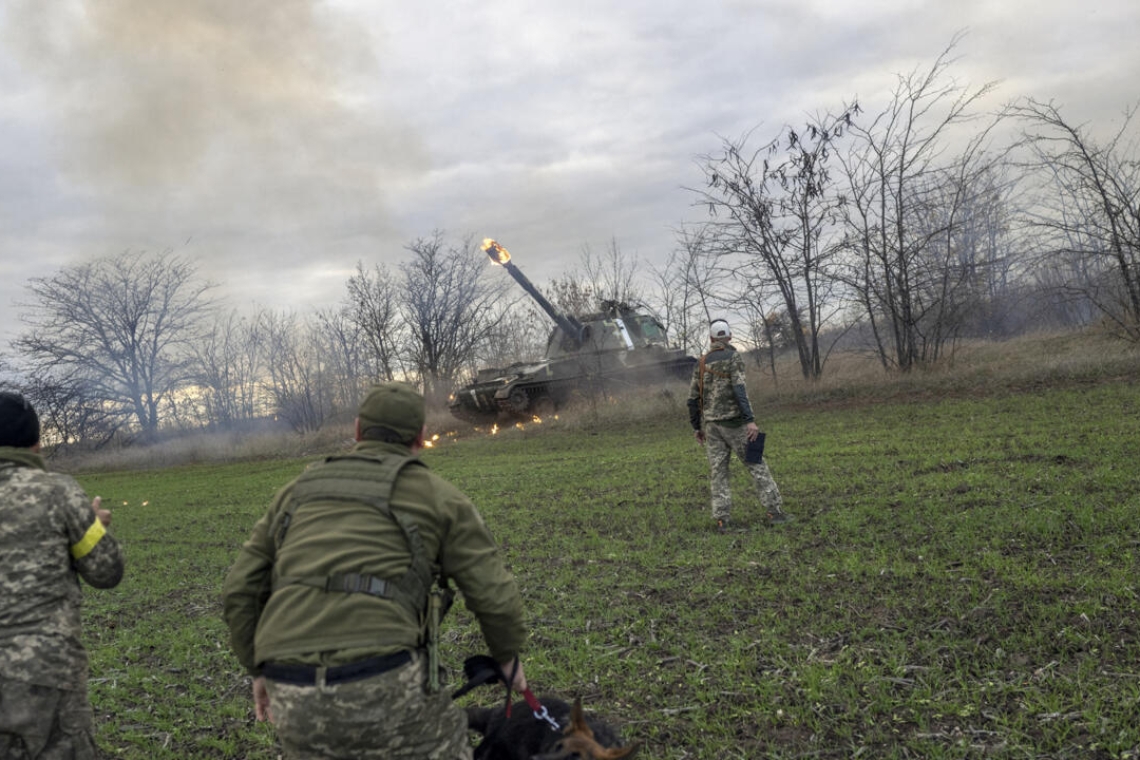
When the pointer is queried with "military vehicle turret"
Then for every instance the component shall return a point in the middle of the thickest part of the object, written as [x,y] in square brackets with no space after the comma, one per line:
[615,349]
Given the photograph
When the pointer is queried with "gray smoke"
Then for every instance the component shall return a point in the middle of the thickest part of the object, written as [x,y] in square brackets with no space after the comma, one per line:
[237,124]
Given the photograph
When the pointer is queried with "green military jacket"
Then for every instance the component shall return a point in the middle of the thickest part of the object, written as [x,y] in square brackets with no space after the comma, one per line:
[49,539]
[306,625]
[717,392]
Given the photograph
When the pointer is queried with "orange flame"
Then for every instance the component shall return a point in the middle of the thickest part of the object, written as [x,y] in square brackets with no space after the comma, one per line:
[497,252]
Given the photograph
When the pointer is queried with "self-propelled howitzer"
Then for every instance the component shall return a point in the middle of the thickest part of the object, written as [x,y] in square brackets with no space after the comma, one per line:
[616,349]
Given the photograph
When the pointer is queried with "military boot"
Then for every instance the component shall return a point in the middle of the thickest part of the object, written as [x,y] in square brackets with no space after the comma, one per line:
[779,516]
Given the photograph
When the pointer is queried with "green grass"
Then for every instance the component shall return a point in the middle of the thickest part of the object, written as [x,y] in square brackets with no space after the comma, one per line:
[961,582]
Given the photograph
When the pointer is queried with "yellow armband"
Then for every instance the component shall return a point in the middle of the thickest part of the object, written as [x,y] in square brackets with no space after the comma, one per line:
[87,543]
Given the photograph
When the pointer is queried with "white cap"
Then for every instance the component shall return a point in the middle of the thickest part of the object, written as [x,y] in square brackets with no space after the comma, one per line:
[719,330]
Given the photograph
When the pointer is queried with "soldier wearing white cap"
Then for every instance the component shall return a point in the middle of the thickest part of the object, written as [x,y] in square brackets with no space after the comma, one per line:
[722,419]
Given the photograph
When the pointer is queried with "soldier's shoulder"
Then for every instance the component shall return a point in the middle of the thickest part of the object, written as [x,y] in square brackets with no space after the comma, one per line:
[720,354]
[431,483]
[45,503]
[33,480]
[424,474]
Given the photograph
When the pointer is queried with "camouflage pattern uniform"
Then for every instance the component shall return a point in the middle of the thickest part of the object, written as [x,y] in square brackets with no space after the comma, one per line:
[49,538]
[718,400]
[387,717]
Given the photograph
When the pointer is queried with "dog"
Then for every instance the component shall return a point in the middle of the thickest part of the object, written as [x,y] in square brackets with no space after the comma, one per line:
[525,737]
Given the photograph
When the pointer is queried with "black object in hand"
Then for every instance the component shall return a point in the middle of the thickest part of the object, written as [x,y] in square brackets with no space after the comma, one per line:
[754,452]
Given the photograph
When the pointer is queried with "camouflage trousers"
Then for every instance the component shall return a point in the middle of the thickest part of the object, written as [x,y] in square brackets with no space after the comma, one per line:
[42,723]
[387,716]
[721,442]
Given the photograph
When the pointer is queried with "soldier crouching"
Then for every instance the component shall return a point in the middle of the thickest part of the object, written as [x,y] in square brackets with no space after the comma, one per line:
[334,602]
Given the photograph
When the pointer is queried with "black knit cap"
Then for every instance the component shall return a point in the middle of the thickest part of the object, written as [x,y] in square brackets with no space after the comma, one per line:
[19,425]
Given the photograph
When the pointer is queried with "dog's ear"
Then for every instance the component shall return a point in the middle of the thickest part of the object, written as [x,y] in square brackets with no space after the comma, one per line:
[578,723]
[579,741]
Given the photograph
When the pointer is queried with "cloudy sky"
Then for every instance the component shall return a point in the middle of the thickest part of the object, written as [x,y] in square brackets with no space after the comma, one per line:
[278,142]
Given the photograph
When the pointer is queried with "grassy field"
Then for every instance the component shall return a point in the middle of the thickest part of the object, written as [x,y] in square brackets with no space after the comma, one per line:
[961,581]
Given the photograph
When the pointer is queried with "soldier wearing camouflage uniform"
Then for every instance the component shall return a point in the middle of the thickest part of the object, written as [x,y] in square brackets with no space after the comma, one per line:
[51,535]
[328,604]
[722,420]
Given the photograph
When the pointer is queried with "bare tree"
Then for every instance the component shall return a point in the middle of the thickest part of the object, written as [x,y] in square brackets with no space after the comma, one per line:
[69,415]
[296,370]
[612,275]
[772,209]
[1088,215]
[374,307]
[897,180]
[449,303]
[229,361]
[568,294]
[987,248]
[119,329]
[519,334]
[961,276]
[348,368]
[690,288]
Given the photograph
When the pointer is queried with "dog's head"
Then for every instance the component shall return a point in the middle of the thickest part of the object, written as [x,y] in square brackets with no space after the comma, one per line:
[578,741]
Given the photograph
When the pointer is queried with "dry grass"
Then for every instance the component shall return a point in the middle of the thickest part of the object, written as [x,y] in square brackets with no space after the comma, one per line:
[977,368]
[974,369]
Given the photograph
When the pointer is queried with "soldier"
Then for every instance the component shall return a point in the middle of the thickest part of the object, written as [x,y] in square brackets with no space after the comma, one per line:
[50,536]
[722,418]
[333,603]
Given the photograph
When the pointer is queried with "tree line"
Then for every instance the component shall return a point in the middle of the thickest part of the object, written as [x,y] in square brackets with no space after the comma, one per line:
[899,232]
[125,346]
[914,227]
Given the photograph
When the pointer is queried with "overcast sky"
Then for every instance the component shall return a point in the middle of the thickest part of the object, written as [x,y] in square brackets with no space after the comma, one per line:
[278,142]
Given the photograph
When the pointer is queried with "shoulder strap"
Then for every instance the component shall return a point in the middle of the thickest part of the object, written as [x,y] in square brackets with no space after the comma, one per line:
[369,480]
[701,381]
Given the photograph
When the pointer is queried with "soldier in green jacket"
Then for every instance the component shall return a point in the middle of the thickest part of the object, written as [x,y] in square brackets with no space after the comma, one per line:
[722,419]
[332,601]
[51,535]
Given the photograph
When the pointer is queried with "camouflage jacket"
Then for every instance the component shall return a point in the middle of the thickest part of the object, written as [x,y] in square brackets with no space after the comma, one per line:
[306,625]
[717,392]
[49,538]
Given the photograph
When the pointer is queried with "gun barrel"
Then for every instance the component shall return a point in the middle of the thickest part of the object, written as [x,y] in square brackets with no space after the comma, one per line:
[500,256]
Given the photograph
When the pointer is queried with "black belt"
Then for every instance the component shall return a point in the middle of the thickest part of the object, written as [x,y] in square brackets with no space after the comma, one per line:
[306,675]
